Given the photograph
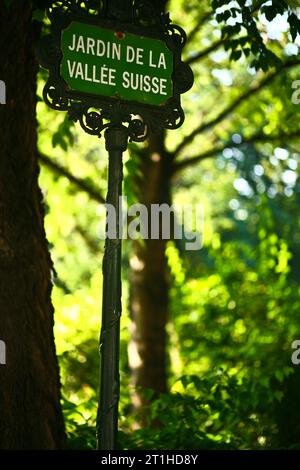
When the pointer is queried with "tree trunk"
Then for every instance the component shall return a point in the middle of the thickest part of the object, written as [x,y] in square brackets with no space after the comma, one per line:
[30,413]
[150,283]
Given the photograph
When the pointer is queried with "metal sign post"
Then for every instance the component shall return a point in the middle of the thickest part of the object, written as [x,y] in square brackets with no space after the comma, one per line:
[114,66]
[116,139]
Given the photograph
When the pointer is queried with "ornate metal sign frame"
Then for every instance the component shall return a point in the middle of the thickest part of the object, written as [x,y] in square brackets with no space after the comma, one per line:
[96,114]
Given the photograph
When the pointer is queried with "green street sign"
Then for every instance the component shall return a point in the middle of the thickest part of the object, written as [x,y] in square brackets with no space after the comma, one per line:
[116,64]
[105,68]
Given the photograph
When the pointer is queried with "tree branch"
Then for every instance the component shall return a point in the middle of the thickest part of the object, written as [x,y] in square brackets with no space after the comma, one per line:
[257,6]
[81,184]
[255,138]
[200,55]
[232,106]
[198,26]
[92,243]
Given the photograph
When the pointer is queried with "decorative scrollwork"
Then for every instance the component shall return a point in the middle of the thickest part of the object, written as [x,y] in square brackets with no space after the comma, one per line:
[138,130]
[92,122]
[95,121]
[174,115]
[55,97]
[177,35]
[95,114]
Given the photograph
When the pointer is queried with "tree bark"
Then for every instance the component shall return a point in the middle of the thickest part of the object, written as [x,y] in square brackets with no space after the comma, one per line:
[150,283]
[30,413]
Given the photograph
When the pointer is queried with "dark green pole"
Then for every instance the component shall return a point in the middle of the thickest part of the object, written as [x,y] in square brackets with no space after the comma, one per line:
[116,140]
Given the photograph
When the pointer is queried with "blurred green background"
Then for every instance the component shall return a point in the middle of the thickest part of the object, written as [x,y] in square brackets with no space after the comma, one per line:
[233,308]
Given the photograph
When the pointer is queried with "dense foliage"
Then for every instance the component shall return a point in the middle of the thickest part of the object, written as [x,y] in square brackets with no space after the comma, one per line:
[235,305]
